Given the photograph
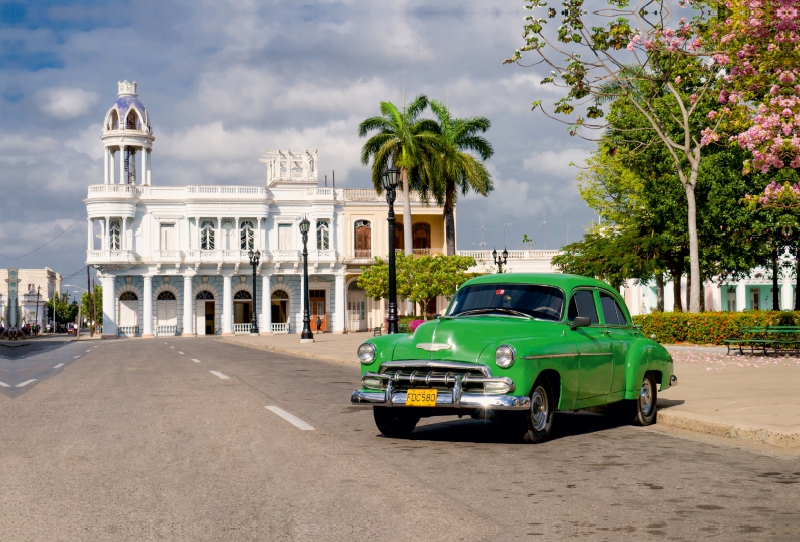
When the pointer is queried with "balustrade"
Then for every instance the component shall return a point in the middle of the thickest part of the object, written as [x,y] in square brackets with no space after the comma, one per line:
[165,331]
[280,328]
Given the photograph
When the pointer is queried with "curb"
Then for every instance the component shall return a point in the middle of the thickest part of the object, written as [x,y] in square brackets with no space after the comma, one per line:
[299,353]
[761,434]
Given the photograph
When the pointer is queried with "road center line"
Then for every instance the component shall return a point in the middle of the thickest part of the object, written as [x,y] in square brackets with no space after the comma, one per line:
[75,357]
[291,418]
[59,365]
[172,347]
[3,384]
[88,351]
[26,383]
[196,360]
[179,352]
[219,374]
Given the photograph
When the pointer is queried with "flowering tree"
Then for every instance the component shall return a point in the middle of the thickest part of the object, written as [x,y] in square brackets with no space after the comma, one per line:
[663,71]
[759,43]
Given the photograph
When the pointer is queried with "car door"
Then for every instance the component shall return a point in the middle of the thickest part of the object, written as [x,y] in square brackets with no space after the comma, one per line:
[594,346]
[621,333]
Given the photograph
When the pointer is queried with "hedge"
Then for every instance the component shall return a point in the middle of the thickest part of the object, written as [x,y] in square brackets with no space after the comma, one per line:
[709,327]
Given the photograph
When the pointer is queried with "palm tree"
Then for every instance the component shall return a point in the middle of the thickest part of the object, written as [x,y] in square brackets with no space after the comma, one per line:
[410,143]
[459,170]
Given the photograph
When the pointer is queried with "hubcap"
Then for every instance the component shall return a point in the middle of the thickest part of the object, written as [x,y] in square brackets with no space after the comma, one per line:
[646,397]
[540,410]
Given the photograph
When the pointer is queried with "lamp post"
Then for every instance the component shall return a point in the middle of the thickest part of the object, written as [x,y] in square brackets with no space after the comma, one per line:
[500,262]
[390,179]
[254,257]
[38,295]
[306,335]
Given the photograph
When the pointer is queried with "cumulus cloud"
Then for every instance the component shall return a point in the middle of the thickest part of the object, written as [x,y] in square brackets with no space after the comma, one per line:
[67,103]
[557,163]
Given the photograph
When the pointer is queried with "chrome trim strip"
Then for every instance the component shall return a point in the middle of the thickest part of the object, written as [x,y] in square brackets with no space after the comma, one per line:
[459,380]
[434,347]
[594,354]
[447,365]
[445,400]
[550,356]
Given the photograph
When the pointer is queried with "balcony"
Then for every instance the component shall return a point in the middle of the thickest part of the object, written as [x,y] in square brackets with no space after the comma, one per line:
[322,256]
[226,192]
[167,256]
[292,256]
[110,257]
[112,191]
[204,256]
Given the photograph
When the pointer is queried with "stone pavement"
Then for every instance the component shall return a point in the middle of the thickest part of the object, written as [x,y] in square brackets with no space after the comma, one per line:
[749,398]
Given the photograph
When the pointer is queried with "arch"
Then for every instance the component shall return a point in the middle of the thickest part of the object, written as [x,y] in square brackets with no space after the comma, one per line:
[166,296]
[128,296]
[323,234]
[246,236]
[166,287]
[280,294]
[207,235]
[352,285]
[112,119]
[362,239]
[280,306]
[208,287]
[114,235]
[227,235]
[129,288]
[133,120]
[243,294]
[242,286]
[204,295]
[422,235]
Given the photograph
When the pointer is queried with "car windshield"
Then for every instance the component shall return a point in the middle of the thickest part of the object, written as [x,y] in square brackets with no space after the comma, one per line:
[531,300]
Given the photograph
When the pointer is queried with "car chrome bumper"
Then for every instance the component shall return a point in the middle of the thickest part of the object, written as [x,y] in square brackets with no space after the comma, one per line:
[673,381]
[463,400]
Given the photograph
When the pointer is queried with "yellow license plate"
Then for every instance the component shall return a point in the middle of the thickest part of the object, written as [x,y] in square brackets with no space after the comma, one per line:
[421,398]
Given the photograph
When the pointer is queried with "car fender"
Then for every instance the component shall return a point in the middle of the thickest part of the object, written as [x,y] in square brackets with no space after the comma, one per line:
[645,355]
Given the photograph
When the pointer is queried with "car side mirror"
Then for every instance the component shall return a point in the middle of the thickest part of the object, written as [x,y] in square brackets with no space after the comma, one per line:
[580,321]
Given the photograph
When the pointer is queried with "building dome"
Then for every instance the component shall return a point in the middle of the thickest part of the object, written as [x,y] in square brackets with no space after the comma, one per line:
[127,106]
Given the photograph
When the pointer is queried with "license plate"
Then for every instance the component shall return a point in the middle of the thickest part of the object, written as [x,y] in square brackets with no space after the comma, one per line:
[421,398]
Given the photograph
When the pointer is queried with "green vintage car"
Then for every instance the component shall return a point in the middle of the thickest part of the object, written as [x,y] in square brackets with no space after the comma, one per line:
[516,348]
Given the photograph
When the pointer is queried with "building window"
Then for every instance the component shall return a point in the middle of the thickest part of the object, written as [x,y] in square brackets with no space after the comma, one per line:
[323,235]
[284,236]
[280,307]
[207,235]
[166,296]
[204,294]
[422,235]
[399,239]
[113,235]
[246,236]
[128,296]
[363,239]
[242,294]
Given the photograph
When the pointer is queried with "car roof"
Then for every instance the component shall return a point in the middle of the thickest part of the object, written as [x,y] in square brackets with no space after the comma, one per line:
[560,280]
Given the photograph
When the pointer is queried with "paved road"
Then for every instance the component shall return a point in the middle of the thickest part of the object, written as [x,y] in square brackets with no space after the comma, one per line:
[172,440]
[25,363]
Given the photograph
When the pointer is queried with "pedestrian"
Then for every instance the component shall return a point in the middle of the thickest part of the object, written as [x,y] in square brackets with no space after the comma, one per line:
[319,323]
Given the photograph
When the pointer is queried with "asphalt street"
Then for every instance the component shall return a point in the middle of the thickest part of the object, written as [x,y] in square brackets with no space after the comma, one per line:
[199,439]
[25,363]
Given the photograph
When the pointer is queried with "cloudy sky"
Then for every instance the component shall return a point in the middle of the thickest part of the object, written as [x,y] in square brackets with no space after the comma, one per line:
[224,81]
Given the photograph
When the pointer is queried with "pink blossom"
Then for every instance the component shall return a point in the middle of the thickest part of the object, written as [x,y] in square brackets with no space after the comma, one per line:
[712,115]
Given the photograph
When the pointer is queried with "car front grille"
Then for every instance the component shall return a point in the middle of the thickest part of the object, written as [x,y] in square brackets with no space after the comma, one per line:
[439,375]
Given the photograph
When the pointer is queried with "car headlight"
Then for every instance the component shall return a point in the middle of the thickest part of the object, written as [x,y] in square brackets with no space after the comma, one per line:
[504,356]
[366,353]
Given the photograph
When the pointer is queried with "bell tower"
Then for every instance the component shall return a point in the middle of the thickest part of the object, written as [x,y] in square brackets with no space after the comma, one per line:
[127,139]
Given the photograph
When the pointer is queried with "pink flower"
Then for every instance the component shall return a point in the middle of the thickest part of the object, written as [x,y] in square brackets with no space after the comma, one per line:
[712,115]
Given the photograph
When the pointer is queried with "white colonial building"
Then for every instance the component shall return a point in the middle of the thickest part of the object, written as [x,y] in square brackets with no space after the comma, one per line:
[24,294]
[174,260]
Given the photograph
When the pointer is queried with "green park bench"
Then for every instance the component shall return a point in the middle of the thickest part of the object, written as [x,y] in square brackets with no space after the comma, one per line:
[779,338]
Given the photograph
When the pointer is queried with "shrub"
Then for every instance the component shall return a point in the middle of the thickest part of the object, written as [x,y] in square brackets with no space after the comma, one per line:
[708,327]
[414,324]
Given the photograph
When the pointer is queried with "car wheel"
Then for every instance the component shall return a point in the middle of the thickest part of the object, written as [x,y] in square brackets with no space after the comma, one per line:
[641,411]
[394,422]
[540,415]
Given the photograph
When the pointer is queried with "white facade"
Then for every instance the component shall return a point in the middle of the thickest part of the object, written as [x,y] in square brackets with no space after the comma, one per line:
[174,260]
[24,294]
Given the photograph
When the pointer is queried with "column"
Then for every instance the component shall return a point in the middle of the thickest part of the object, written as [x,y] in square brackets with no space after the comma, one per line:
[341,304]
[149,159]
[187,306]
[227,306]
[148,307]
[741,296]
[89,245]
[106,233]
[143,174]
[105,165]
[122,179]
[265,322]
[123,236]
[109,307]
[787,302]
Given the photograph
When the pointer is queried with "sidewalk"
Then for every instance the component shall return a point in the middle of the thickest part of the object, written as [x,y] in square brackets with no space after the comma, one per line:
[750,398]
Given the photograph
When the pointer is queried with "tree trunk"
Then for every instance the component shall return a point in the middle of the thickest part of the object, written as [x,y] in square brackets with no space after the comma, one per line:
[694,249]
[703,296]
[449,218]
[660,292]
[688,290]
[407,239]
[676,291]
[776,304]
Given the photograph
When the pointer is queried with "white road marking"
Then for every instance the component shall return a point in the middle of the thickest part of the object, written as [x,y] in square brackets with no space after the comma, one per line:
[75,357]
[196,360]
[4,385]
[166,343]
[26,383]
[172,347]
[59,365]
[291,418]
[179,352]
[89,351]
[219,374]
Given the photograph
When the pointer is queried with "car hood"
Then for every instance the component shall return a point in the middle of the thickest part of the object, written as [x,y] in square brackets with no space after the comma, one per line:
[463,339]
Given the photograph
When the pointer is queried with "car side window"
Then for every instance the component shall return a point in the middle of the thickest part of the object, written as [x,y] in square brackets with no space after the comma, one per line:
[582,304]
[612,313]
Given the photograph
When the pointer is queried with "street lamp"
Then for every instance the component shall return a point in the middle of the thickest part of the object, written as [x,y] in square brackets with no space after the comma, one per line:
[500,262]
[254,257]
[306,335]
[38,295]
[390,180]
